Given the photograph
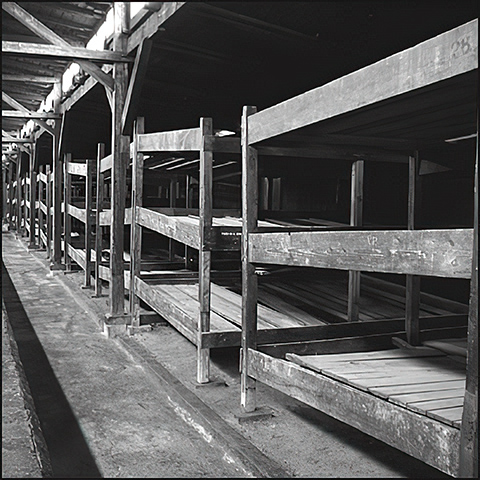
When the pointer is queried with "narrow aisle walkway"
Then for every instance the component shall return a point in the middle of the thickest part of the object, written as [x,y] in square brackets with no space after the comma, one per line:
[100,413]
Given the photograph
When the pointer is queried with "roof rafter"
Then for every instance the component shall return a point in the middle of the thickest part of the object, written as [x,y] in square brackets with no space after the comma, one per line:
[44,32]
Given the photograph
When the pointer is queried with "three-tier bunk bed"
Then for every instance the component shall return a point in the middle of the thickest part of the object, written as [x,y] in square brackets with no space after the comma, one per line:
[412,388]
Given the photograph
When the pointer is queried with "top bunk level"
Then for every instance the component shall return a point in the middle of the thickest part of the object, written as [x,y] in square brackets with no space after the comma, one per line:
[369,101]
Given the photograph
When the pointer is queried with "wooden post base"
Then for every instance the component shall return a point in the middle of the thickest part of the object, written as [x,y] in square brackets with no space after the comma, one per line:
[260,413]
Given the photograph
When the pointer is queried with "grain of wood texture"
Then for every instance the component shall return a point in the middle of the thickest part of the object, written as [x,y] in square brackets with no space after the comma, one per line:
[173,141]
[99,228]
[67,222]
[444,56]
[77,254]
[76,168]
[136,229]
[443,253]
[249,279]
[432,442]
[76,212]
[44,32]
[89,218]
[172,227]
[406,398]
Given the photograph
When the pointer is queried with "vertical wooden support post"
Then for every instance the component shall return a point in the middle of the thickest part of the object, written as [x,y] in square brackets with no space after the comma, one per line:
[187,205]
[48,201]
[99,228]
[356,220]
[412,300]
[41,217]
[25,197]
[120,157]
[468,463]
[56,258]
[171,193]
[90,164]
[10,195]
[249,279]
[32,198]
[135,228]
[67,221]
[18,209]
[4,192]
[205,254]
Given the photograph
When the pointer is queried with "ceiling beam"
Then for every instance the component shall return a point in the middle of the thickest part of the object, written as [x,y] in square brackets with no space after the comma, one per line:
[44,32]
[74,53]
[29,78]
[31,115]
[18,106]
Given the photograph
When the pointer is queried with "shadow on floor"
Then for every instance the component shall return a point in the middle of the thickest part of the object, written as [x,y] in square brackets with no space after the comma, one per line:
[69,452]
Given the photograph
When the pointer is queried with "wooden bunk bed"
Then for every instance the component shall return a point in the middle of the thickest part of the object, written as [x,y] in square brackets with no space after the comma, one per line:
[45,209]
[418,399]
[78,205]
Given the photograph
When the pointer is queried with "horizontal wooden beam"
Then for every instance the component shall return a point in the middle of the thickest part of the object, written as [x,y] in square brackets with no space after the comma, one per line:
[29,78]
[18,106]
[441,253]
[74,53]
[37,27]
[40,115]
[76,168]
[172,141]
[444,56]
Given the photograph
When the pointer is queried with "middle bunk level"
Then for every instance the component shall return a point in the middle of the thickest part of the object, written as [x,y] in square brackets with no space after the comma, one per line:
[201,294]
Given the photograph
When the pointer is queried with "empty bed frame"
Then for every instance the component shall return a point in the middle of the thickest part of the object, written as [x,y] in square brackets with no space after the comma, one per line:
[411,398]
[78,203]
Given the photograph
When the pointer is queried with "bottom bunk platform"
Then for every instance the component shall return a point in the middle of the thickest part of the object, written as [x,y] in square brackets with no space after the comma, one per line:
[411,399]
[291,309]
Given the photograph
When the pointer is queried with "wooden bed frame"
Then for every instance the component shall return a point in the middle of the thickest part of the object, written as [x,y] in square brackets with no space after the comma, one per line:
[435,439]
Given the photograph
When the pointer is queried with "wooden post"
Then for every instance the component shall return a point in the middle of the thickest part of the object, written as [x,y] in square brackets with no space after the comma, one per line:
[90,164]
[56,258]
[249,279]
[32,197]
[171,193]
[25,196]
[135,228]
[412,300]
[18,192]
[99,228]
[356,220]
[187,205]
[10,194]
[49,211]
[468,464]
[120,157]
[67,222]
[204,265]
[41,218]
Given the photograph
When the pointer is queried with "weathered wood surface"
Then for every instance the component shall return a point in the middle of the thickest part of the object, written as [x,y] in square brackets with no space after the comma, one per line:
[172,141]
[443,253]
[57,51]
[431,441]
[76,168]
[106,163]
[444,56]
[106,217]
[39,115]
[78,213]
[77,255]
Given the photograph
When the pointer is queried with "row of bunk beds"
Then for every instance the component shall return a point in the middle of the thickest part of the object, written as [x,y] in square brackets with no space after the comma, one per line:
[312,297]
[408,391]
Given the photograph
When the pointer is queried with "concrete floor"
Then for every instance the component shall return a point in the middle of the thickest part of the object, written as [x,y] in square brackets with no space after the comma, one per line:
[130,406]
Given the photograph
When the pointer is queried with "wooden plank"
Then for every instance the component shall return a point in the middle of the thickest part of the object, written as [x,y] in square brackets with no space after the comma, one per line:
[28,78]
[407,398]
[171,227]
[249,279]
[38,115]
[44,32]
[67,221]
[453,415]
[77,168]
[76,254]
[444,56]
[173,141]
[106,163]
[78,213]
[430,441]
[56,51]
[222,144]
[444,253]
[18,106]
